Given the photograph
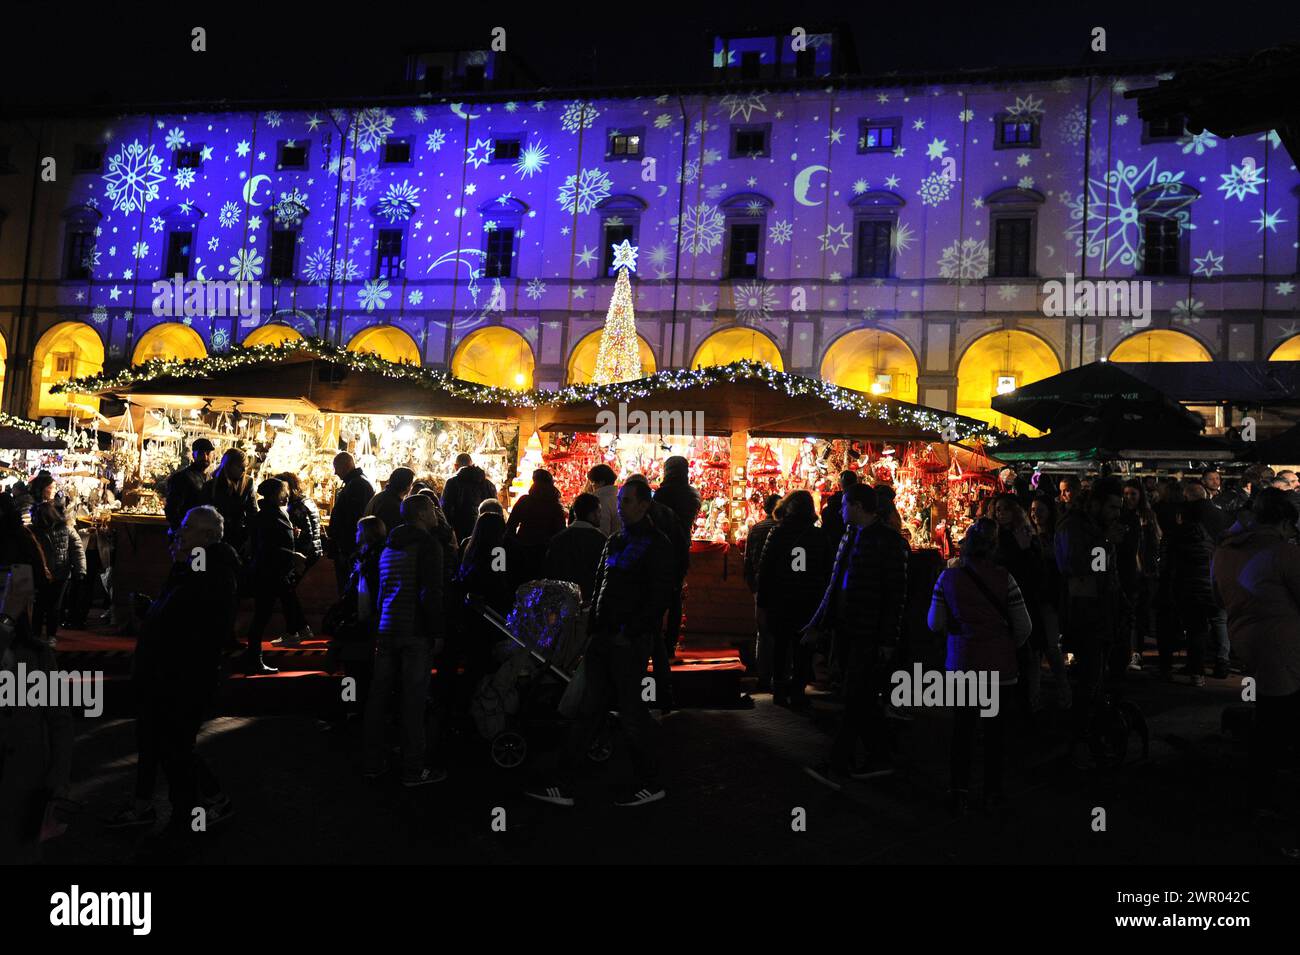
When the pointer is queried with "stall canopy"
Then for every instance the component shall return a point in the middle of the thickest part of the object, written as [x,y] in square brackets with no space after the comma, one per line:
[1282,449]
[1250,383]
[1084,391]
[1120,431]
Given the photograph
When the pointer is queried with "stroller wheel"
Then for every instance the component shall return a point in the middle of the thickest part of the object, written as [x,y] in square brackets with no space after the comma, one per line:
[509,749]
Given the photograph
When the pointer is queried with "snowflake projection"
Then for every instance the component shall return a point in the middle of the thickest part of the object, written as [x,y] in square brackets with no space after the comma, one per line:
[935,188]
[291,207]
[228,217]
[91,260]
[370,129]
[479,153]
[859,187]
[700,228]
[662,121]
[658,256]
[689,171]
[1025,182]
[1113,229]
[967,259]
[220,339]
[531,160]
[583,191]
[754,208]
[754,302]
[744,105]
[400,201]
[368,178]
[1008,293]
[419,115]
[415,297]
[100,315]
[435,140]
[318,265]
[1268,220]
[966,115]
[578,116]
[536,289]
[1241,181]
[140,250]
[245,265]
[713,155]
[1197,142]
[374,294]
[780,231]
[715,191]
[1187,311]
[1074,126]
[174,139]
[1284,288]
[901,237]
[1026,106]
[273,118]
[133,177]
[345,270]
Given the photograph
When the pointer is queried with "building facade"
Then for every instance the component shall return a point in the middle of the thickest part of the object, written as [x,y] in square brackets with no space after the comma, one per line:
[901,240]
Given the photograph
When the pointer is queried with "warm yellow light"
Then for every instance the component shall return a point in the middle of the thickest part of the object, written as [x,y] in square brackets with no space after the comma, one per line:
[519,379]
[877,388]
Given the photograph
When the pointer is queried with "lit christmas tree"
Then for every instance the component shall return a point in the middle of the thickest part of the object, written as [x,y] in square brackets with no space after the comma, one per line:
[619,357]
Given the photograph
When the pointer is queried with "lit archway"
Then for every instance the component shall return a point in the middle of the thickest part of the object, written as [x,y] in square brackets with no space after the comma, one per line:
[4,360]
[582,362]
[389,343]
[495,356]
[734,344]
[169,341]
[997,363]
[68,350]
[1160,344]
[879,363]
[273,334]
[1289,350]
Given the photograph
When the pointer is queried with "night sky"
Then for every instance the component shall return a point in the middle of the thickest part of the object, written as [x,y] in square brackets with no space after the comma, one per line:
[98,54]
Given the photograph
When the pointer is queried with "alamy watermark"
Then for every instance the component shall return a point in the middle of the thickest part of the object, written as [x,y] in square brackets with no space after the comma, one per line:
[684,424]
[78,689]
[176,297]
[921,687]
[1129,298]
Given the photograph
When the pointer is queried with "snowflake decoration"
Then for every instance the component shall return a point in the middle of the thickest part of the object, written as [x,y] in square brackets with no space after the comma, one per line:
[475,158]
[1074,126]
[1198,142]
[966,115]
[1025,182]
[415,297]
[754,302]
[531,160]
[418,114]
[901,237]
[133,177]
[229,215]
[156,224]
[967,259]
[140,250]
[581,192]
[744,105]
[935,188]
[1240,181]
[1208,264]
[1187,311]
[174,139]
[689,171]
[1284,288]
[536,289]
[435,140]
[700,228]
[291,207]
[1113,228]
[578,116]
[318,266]
[1026,106]
[370,129]
[368,179]
[662,120]
[213,243]
[835,239]
[1268,220]
[754,208]
[100,315]
[859,187]
[1008,293]
[374,294]
[400,202]
[245,265]
[220,339]
[273,118]
[780,231]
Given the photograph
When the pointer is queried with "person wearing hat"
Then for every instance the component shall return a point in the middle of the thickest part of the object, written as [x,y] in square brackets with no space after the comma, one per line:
[185,487]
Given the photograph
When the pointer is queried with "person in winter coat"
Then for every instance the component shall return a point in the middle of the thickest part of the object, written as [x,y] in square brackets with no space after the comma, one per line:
[792,576]
[1191,552]
[411,629]
[387,504]
[230,491]
[1139,565]
[675,493]
[185,487]
[307,541]
[1017,553]
[65,556]
[1042,514]
[463,493]
[277,567]
[666,521]
[1256,574]
[979,605]
[534,520]
[350,502]
[753,551]
[574,553]
[602,479]
[832,521]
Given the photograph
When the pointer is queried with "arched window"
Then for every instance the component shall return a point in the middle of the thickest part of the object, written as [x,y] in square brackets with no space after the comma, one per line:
[875,230]
[501,220]
[620,221]
[1013,232]
[169,340]
[272,334]
[1160,344]
[389,343]
[1289,350]
[997,363]
[1164,213]
[879,363]
[496,356]
[733,344]
[68,350]
[746,219]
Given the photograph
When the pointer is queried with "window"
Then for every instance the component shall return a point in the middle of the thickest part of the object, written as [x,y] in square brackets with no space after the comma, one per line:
[751,141]
[624,144]
[63,364]
[1012,245]
[1017,131]
[76,263]
[750,65]
[1161,246]
[189,158]
[474,76]
[615,232]
[500,250]
[874,248]
[284,245]
[742,250]
[506,150]
[879,135]
[293,156]
[388,254]
[397,152]
[88,159]
[1165,127]
[178,254]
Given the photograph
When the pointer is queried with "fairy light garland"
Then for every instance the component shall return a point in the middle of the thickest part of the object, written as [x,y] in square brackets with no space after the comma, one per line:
[794,386]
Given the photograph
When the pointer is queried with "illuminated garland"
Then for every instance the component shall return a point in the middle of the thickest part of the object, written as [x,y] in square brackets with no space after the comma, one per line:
[22,424]
[795,386]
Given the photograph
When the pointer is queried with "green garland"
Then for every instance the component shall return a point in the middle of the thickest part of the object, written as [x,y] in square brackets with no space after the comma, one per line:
[22,424]
[796,386]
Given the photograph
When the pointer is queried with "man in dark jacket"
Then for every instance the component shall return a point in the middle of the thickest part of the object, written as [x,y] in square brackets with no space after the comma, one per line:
[387,504]
[185,487]
[574,553]
[753,551]
[277,567]
[675,492]
[863,607]
[666,520]
[463,493]
[632,590]
[349,505]
[176,672]
[411,632]
[832,510]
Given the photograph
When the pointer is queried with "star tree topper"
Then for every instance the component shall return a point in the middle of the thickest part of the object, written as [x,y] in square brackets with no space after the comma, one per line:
[625,255]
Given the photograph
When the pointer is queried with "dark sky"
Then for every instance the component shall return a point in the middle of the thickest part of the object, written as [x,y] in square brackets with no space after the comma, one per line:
[123,51]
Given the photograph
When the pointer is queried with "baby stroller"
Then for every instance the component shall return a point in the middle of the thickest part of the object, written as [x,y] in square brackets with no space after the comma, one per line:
[542,641]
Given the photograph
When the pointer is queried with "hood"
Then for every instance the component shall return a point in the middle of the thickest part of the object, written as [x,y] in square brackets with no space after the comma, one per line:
[677,468]
[405,536]
[471,472]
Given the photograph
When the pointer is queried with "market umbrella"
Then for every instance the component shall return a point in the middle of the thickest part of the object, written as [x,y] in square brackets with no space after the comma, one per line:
[1074,394]
[1283,448]
[1119,432]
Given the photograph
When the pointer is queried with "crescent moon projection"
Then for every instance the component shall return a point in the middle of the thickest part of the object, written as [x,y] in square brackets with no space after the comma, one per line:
[199,274]
[801,183]
[455,108]
[250,189]
[663,190]
[1051,251]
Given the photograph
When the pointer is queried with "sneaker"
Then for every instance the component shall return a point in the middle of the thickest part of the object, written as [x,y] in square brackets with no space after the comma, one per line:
[1135,662]
[871,769]
[130,818]
[288,640]
[555,795]
[426,777]
[827,775]
[640,797]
